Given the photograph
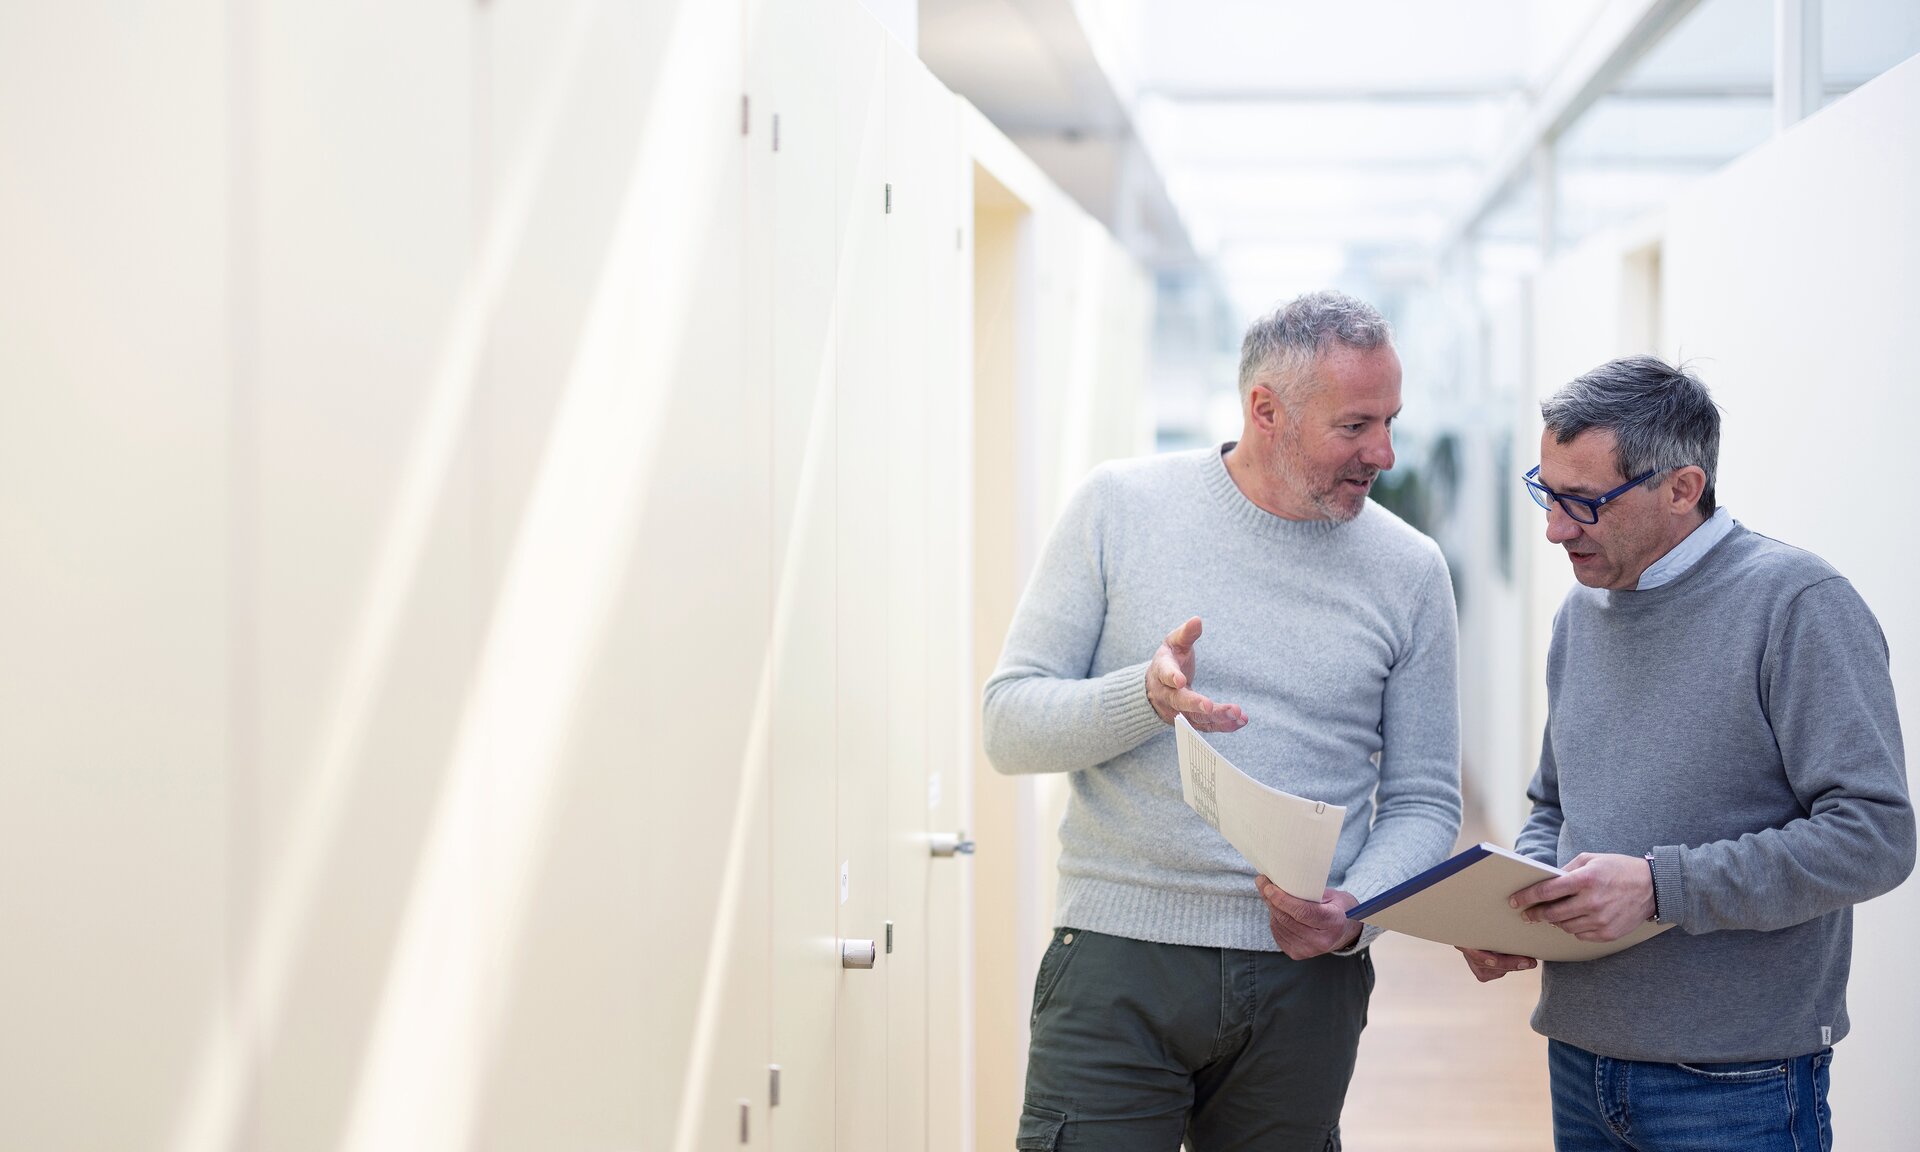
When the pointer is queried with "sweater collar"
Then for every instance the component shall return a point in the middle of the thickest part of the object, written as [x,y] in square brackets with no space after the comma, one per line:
[1244,512]
[1710,560]
[1688,552]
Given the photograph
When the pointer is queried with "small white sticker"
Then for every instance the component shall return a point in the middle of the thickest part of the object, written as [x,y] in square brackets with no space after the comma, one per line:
[843,881]
[933,791]
[1826,1034]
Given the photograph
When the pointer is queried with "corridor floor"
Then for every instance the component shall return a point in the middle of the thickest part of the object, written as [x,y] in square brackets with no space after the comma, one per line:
[1447,1064]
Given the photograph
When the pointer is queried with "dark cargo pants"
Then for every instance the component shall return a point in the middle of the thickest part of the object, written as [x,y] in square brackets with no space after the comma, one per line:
[1138,1046]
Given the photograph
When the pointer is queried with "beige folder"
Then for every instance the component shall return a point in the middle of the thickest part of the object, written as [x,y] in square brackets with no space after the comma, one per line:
[1463,901]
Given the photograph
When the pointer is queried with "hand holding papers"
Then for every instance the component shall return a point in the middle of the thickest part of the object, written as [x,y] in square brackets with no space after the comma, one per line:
[1463,902]
[1289,838]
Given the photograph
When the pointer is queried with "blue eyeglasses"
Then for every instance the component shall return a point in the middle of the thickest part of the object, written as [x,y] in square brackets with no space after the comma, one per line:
[1579,508]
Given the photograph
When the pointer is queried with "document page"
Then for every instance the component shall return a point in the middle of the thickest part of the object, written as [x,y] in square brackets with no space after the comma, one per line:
[1288,837]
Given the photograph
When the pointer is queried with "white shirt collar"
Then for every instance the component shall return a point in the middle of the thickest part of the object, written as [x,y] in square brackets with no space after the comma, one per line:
[1687,553]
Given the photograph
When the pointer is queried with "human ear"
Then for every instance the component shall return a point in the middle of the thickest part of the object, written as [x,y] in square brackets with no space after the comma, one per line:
[1263,409]
[1686,486]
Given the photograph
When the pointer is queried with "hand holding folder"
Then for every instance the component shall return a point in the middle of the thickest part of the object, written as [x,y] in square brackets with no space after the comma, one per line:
[1463,902]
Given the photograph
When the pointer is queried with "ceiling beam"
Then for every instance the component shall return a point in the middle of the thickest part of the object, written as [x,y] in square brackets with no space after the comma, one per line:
[1624,31]
[1762,89]
[1336,94]
[1797,84]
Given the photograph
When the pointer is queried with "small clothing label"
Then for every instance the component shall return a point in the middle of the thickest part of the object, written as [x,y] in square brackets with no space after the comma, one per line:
[1826,1034]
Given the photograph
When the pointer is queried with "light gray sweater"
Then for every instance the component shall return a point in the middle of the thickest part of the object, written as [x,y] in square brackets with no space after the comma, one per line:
[1337,639]
[1739,724]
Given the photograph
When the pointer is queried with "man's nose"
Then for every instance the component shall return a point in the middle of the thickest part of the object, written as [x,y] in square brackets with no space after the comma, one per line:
[1378,452]
[1561,528]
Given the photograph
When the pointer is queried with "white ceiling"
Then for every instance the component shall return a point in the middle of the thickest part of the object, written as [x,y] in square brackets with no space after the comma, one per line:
[1302,143]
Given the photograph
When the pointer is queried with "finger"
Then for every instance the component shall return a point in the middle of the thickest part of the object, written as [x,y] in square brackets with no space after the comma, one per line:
[1214,721]
[1185,635]
[1552,889]
[1284,934]
[1196,706]
[1317,918]
[1298,945]
[1599,935]
[1284,901]
[1580,861]
[1167,671]
[1557,911]
[1266,889]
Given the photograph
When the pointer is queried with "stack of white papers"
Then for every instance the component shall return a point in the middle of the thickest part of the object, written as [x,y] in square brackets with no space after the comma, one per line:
[1288,837]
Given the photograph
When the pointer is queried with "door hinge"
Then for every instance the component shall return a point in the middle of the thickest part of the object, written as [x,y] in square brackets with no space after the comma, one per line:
[889,937]
[776,131]
[746,1110]
[746,115]
[889,199]
[773,1085]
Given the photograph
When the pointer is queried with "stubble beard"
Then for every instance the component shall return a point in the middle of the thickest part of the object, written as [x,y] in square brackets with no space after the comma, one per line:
[1291,465]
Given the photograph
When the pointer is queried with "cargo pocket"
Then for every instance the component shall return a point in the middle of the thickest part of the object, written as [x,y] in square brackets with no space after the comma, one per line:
[1039,1129]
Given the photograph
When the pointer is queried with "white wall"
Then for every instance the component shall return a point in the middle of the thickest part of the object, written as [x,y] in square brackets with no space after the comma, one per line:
[485,547]
[1792,280]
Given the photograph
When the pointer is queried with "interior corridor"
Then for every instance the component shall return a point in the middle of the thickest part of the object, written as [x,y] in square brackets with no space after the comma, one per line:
[1447,1064]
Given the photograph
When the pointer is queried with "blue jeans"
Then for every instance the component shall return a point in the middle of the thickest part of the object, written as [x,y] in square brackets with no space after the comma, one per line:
[1606,1105]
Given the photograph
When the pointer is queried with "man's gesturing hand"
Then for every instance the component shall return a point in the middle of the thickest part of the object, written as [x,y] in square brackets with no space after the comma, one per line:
[1305,928]
[1168,679]
[1602,897]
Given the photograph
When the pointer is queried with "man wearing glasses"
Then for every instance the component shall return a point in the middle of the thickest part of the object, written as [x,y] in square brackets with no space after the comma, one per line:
[1722,753]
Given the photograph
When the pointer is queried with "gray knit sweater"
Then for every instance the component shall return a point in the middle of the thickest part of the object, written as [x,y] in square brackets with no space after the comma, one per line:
[1739,724]
[1337,639]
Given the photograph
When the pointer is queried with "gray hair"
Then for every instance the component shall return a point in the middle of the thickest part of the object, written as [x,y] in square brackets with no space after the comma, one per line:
[1282,346]
[1661,417]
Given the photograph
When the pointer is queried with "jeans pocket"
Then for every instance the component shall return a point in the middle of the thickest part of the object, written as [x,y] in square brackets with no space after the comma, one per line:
[1039,1129]
[1052,963]
[1739,1072]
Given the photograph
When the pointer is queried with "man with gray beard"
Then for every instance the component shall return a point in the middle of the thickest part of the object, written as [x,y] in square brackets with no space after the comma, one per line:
[1183,997]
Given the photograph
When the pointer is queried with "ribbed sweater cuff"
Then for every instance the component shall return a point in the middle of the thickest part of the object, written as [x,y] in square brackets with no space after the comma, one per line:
[1124,706]
[1368,934]
[1669,885]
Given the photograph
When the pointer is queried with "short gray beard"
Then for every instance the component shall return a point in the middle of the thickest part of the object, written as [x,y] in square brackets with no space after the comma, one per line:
[1290,467]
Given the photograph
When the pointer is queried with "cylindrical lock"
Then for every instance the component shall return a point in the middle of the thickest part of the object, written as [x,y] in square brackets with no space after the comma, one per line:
[950,844]
[857,953]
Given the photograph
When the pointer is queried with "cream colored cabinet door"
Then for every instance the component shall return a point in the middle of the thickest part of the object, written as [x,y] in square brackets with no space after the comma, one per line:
[121,786]
[360,532]
[626,566]
[916,214]
[950,705]
[792,192]
[861,635]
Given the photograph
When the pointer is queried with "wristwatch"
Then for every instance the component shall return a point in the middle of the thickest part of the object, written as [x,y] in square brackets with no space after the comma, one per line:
[1654,879]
